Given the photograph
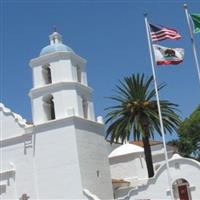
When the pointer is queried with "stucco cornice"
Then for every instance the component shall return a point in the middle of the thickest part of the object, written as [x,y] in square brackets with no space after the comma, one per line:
[6,174]
[62,85]
[15,140]
[89,122]
[72,120]
[55,56]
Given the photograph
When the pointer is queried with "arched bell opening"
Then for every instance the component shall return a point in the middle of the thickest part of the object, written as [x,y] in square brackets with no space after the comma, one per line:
[78,70]
[46,72]
[85,107]
[49,109]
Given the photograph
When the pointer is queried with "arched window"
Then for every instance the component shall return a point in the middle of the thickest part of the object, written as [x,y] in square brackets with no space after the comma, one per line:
[181,189]
[85,107]
[78,73]
[49,109]
[46,72]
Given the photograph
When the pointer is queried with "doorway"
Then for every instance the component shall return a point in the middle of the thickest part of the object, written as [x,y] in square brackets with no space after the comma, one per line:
[181,190]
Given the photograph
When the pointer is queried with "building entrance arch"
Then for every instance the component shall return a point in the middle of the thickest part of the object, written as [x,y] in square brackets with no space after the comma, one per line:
[181,190]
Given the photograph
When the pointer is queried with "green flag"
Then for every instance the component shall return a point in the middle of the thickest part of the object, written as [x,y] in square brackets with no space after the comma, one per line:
[196,21]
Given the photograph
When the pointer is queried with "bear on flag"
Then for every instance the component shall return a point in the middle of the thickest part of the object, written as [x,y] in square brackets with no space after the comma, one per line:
[168,56]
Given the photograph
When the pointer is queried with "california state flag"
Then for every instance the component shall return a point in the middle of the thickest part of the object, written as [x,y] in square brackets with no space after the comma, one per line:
[168,56]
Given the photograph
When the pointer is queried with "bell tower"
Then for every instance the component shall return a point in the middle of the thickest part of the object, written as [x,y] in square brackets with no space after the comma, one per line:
[70,152]
[60,86]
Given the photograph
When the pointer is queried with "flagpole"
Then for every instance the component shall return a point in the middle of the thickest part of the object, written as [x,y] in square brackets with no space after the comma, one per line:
[158,102]
[192,41]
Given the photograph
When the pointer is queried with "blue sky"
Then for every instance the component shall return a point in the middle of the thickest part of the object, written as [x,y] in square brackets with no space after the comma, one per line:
[111,35]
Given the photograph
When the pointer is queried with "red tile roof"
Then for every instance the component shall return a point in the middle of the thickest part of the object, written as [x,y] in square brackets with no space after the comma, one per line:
[140,143]
[119,181]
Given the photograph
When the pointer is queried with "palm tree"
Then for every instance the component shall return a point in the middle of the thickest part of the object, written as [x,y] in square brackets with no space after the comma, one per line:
[136,113]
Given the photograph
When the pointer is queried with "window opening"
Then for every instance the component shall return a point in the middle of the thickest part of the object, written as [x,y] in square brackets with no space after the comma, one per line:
[85,107]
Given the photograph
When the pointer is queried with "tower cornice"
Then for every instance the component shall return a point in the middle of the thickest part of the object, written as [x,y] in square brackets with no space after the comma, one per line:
[51,57]
[62,85]
[67,121]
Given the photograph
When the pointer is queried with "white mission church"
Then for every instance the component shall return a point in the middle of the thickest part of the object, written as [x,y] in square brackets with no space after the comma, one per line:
[62,154]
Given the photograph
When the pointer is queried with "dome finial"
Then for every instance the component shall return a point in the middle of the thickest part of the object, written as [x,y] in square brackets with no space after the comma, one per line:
[55,37]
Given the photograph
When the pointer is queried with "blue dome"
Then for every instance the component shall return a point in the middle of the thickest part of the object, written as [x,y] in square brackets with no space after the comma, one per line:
[55,48]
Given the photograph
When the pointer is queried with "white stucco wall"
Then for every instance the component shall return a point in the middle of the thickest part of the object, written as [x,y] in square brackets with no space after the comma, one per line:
[49,169]
[57,162]
[22,179]
[157,187]
[64,100]
[9,127]
[129,166]
[61,70]
[38,80]
[92,154]
[11,124]
[65,157]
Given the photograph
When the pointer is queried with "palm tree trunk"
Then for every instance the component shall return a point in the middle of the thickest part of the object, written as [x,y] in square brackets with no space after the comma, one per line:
[148,156]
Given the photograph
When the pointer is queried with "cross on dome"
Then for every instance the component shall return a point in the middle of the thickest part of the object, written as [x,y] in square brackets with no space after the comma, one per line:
[55,28]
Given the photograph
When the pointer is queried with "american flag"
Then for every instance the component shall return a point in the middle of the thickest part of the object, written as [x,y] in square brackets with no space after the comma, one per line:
[159,33]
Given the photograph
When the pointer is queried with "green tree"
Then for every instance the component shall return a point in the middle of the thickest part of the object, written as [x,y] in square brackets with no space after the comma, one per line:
[189,135]
[136,113]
